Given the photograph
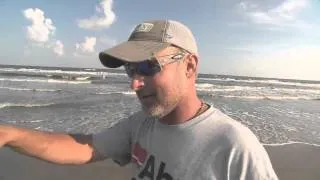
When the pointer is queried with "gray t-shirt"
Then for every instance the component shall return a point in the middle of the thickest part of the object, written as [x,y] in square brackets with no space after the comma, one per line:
[211,146]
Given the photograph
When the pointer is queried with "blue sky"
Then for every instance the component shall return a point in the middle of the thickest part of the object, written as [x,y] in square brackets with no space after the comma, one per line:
[268,38]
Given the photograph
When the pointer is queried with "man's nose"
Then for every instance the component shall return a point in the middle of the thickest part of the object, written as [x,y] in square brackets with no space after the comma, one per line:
[137,82]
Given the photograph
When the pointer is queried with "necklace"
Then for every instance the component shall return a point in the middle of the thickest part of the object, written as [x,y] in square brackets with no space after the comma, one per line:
[200,110]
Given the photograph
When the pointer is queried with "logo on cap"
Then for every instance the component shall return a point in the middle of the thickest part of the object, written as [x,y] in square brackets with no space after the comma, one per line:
[145,27]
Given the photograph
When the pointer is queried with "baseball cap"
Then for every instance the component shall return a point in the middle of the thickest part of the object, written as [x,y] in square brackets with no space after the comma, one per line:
[148,38]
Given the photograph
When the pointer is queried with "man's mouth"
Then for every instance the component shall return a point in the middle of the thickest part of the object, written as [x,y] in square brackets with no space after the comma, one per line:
[146,96]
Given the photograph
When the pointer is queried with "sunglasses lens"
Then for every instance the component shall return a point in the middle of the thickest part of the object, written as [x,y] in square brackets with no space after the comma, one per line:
[145,68]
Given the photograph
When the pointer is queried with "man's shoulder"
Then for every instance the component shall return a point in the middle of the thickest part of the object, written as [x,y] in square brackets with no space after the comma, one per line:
[229,131]
[137,119]
[242,149]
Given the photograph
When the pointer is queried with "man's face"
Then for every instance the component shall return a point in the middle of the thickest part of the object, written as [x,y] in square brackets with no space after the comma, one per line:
[159,94]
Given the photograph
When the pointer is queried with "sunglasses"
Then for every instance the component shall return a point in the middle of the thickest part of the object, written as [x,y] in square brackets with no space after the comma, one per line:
[151,66]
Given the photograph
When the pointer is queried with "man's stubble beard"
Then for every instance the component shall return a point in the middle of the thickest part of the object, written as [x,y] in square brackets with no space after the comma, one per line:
[158,110]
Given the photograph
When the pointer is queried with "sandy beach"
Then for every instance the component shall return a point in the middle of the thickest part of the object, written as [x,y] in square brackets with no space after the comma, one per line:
[296,161]
[291,162]
[14,166]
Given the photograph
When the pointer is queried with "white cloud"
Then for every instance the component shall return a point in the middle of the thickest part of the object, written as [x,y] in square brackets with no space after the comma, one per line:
[41,27]
[58,48]
[247,6]
[87,47]
[103,18]
[289,8]
[285,14]
[41,31]
[293,63]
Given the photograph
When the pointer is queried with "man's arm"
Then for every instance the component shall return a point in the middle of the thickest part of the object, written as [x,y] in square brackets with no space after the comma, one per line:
[53,147]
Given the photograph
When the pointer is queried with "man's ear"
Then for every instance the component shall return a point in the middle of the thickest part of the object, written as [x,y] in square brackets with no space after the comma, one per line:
[192,65]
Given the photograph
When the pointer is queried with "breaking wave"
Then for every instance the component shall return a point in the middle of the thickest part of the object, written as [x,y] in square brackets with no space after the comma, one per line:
[275,82]
[28,89]
[268,97]
[10,105]
[47,81]
[110,93]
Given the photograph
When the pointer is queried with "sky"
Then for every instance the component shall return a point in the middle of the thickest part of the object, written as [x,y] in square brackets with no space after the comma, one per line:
[262,38]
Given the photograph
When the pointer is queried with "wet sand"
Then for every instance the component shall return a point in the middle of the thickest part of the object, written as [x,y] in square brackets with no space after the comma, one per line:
[296,161]
[14,166]
[291,162]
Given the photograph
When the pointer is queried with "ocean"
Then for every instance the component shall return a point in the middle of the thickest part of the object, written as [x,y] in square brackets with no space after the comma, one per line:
[278,111]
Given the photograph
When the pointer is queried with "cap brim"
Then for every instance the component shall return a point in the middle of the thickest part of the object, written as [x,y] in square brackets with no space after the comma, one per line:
[130,51]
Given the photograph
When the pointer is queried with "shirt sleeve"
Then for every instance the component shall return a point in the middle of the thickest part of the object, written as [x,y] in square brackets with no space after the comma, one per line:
[115,142]
[248,159]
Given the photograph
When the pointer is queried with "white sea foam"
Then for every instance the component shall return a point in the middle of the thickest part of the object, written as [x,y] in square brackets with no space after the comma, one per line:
[114,74]
[31,121]
[8,105]
[129,93]
[8,69]
[92,72]
[308,91]
[28,89]
[204,85]
[90,69]
[269,97]
[45,81]
[217,79]
[291,142]
[102,93]
[89,72]
[68,82]
[36,121]
[109,93]
[82,78]
[214,88]
[57,71]
[23,80]
[275,82]
[289,128]
[252,92]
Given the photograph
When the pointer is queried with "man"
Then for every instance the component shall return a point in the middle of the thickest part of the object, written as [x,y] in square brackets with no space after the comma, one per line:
[175,136]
